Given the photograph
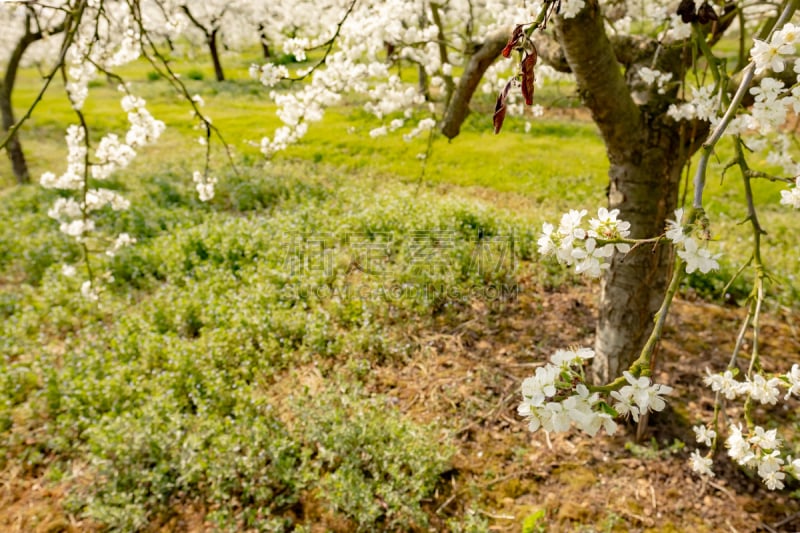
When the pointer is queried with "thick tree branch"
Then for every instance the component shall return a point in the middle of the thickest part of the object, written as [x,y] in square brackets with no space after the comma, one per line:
[599,75]
[458,108]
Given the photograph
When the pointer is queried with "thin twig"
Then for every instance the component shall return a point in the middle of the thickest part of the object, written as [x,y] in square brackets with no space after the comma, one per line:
[447,502]
[505,478]
[786,520]
[496,516]
[724,491]
[177,84]
[708,146]
[329,44]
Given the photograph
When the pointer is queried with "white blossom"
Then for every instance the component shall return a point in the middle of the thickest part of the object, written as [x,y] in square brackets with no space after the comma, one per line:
[607,227]
[774,480]
[723,383]
[770,55]
[269,74]
[378,132]
[123,240]
[572,357]
[738,447]
[538,388]
[704,435]
[675,231]
[641,392]
[204,185]
[89,291]
[701,465]
[764,439]
[763,390]
[655,77]
[791,197]
[793,377]
[697,258]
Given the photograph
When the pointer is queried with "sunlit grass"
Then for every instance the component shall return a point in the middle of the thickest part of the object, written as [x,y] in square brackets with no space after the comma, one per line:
[558,164]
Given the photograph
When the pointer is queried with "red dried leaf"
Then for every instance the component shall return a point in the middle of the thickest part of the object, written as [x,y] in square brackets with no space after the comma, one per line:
[706,14]
[528,76]
[500,108]
[687,10]
[514,40]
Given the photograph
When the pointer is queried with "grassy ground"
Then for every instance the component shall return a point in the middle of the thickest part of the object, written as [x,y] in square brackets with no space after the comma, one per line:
[559,164]
[280,358]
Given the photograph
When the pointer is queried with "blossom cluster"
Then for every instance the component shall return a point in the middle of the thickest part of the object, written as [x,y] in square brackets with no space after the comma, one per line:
[370,41]
[755,447]
[772,54]
[792,196]
[695,255]
[111,154]
[655,77]
[772,103]
[268,74]
[555,398]
[639,396]
[204,185]
[757,387]
[586,247]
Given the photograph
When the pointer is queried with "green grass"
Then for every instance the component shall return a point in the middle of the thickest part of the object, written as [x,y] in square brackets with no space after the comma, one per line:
[559,164]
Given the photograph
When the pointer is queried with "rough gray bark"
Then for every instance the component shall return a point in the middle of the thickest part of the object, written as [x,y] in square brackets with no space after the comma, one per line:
[458,107]
[646,150]
[646,155]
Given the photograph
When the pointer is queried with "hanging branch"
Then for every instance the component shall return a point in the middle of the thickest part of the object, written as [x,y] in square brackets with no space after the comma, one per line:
[159,62]
[708,147]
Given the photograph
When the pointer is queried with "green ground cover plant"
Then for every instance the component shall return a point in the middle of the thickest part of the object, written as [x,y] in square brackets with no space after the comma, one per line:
[163,390]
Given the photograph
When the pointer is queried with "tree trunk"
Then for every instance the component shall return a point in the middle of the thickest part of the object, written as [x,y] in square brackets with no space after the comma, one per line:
[211,38]
[646,156]
[644,185]
[262,38]
[212,47]
[13,145]
[14,149]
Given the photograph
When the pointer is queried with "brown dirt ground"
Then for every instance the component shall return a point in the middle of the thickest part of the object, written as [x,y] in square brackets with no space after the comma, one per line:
[467,377]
